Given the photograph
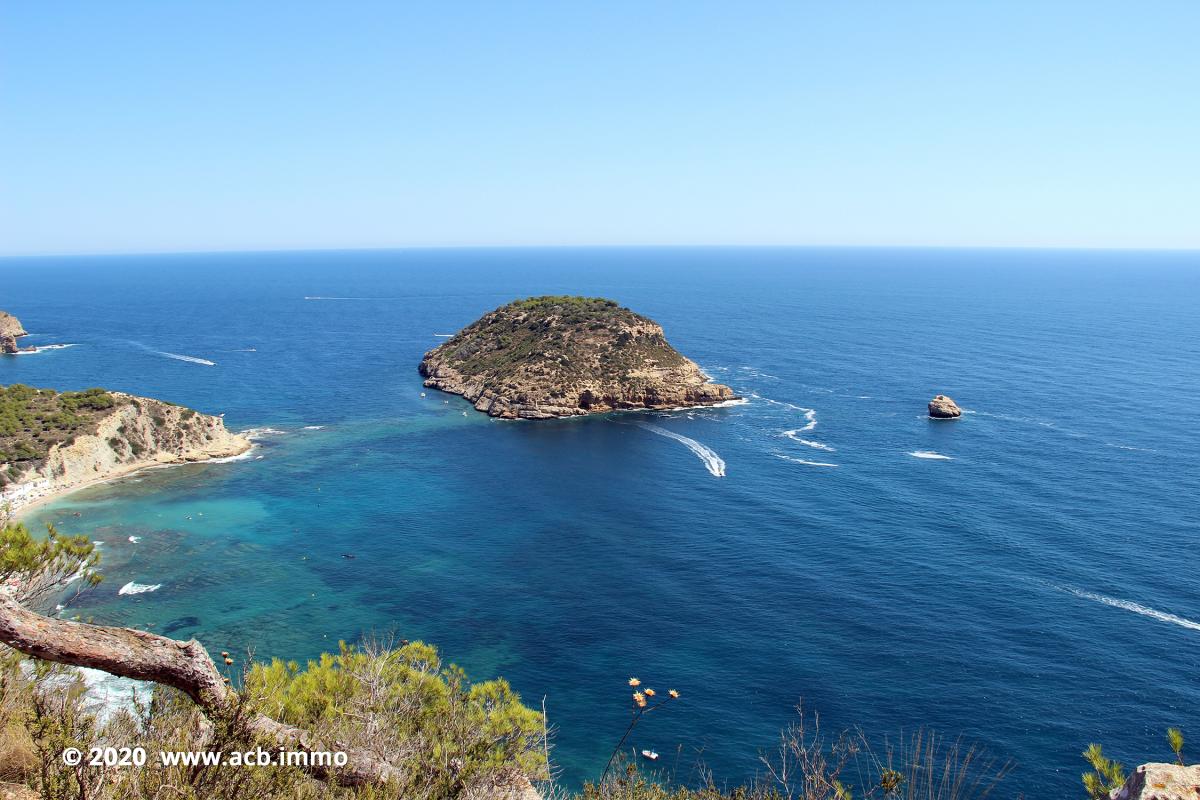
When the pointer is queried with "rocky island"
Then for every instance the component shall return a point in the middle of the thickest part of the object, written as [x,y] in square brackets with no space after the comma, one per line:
[562,356]
[10,329]
[54,442]
[942,407]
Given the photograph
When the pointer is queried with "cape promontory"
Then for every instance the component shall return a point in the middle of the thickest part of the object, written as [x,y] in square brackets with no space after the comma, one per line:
[562,356]
[54,442]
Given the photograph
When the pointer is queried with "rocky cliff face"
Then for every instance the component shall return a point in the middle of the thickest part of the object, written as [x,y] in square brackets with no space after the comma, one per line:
[10,329]
[136,433]
[1161,782]
[551,357]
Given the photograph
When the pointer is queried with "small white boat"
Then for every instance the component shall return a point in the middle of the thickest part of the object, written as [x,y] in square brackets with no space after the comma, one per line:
[650,754]
[422,394]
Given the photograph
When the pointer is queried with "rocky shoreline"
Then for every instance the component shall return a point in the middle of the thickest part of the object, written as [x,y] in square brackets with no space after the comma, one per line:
[11,329]
[140,433]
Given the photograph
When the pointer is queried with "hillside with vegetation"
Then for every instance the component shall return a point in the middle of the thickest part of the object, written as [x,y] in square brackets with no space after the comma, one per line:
[33,421]
[411,725]
[52,442]
[557,356]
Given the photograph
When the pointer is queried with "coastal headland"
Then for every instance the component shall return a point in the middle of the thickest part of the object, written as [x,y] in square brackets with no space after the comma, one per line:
[54,442]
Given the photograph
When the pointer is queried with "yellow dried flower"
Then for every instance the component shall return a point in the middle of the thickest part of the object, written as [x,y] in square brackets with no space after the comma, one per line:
[634,682]
[639,699]
[674,694]
[649,693]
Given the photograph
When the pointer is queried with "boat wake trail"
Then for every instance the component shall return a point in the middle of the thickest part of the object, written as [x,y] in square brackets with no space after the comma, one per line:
[804,461]
[189,359]
[810,422]
[1128,605]
[712,462]
[176,356]
[808,442]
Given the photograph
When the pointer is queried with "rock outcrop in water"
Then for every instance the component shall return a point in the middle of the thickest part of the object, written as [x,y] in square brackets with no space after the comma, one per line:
[10,329]
[942,407]
[89,437]
[549,357]
[1161,782]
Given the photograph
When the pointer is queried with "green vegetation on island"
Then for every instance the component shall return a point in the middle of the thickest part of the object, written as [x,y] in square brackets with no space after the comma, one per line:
[563,355]
[554,336]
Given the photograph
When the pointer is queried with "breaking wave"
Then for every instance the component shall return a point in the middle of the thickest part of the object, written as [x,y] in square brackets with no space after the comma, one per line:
[42,348]
[139,588]
[930,455]
[313,427]
[712,462]
[1137,608]
[107,694]
[254,434]
[230,459]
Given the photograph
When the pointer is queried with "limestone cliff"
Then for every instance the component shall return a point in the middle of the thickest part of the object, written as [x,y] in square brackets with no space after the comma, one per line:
[1156,781]
[10,329]
[551,357]
[131,434]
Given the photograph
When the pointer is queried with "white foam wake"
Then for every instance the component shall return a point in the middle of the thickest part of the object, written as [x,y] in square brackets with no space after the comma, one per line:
[931,455]
[810,420]
[804,461]
[189,359]
[1136,608]
[138,588]
[809,443]
[176,356]
[712,462]
[809,414]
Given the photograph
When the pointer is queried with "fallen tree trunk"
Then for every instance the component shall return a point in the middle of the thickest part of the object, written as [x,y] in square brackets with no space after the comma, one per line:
[185,666]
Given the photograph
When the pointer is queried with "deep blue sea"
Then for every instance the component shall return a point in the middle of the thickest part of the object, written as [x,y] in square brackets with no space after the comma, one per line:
[1027,576]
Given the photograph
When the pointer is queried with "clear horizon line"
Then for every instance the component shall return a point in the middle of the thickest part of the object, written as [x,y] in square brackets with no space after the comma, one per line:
[400,248]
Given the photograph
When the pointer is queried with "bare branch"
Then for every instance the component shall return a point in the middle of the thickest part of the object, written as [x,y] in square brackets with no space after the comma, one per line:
[185,666]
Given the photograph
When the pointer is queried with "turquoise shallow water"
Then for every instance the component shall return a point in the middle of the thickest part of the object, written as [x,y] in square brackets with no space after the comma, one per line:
[1034,589]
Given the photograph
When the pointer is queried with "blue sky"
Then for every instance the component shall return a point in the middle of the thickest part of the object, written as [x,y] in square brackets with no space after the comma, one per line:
[145,126]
